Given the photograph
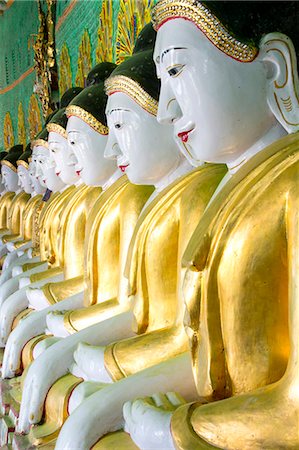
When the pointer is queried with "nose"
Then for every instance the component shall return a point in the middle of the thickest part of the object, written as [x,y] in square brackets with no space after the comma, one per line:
[112,150]
[38,171]
[72,160]
[169,110]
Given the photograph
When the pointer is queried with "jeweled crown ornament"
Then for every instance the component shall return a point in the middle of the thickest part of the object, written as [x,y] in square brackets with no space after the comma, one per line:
[134,77]
[208,23]
[90,104]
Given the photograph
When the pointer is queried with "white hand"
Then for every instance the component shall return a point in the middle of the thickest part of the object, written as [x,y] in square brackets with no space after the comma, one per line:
[55,324]
[15,303]
[37,299]
[90,359]
[148,420]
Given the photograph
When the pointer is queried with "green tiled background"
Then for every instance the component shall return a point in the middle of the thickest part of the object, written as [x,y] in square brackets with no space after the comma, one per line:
[18,25]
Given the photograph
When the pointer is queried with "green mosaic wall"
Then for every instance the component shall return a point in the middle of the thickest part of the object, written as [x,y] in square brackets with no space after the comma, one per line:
[16,57]
[73,18]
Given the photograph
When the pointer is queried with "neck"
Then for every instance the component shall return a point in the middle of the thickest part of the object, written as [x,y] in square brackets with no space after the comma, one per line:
[79,182]
[180,169]
[275,133]
[18,190]
[64,188]
[114,177]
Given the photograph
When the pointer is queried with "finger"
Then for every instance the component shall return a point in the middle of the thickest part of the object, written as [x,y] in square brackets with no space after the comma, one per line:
[175,398]
[161,401]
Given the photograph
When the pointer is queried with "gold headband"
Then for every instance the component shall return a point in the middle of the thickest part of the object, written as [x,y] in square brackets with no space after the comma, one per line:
[202,17]
[8,164]
[94,123]
[55,128]
[40,142]
[20,162]
[120,83]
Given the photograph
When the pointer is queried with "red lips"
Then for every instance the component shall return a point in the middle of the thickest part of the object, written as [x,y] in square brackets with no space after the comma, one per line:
[78,172]
[123,168]
[184,135]
[58,173]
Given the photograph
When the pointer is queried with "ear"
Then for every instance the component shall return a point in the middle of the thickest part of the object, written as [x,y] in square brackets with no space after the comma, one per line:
[283,87]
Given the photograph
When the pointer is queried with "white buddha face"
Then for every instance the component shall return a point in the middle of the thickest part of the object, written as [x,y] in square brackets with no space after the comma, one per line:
[24,179]
[35,184]
[10,179]
[217,105]
[46,170]
[88,146]
[63,158]
[143,148]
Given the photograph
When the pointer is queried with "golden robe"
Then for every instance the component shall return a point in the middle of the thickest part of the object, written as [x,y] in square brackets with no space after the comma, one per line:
[238,261]
[162,234]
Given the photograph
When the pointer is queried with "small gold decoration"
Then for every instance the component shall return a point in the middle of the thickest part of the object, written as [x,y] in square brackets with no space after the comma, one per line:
[84,60]
[133,15]
[65,71]
[201,16]
[44,55]
[74,110]
[34,117]
[20,162]
[55,128]
[131,88]
[9,139]
[21,126]
[40,142]
[104,52]
[8,164]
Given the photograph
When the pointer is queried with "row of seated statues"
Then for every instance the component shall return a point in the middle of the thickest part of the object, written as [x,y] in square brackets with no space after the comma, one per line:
[149,243]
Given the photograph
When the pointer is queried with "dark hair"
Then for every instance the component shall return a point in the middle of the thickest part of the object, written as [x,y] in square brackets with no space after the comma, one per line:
[250,21]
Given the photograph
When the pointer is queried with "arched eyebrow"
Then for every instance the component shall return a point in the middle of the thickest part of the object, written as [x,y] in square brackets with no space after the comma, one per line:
[118,109]
[169,49]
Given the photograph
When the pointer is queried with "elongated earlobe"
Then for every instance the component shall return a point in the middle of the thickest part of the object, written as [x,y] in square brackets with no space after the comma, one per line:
[283,86]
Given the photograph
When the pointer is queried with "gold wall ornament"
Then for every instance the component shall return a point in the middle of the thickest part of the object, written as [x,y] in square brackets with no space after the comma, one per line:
[208,23]
[133,89]
[133,15]
[94,123]
[8,133]
[44,56]
[34,117]
[104,51]
[21,126]
[65,71]
[84,60]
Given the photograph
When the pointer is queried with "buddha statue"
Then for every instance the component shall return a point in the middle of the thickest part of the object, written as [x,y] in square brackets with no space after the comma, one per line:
[18,246]
[5,199]
[242,261]
[146,151]
[11,181]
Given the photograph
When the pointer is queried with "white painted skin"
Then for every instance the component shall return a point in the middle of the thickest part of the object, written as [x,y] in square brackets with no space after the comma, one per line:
[107,404]
[134,119]
[2,186]
[229,107]
[36,186]
[10,179]
[24,180]
[88,148]
[63,157]
[46,170]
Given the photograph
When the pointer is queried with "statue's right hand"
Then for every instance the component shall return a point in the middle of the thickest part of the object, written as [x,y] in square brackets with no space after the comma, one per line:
[55,324]
[29,327]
